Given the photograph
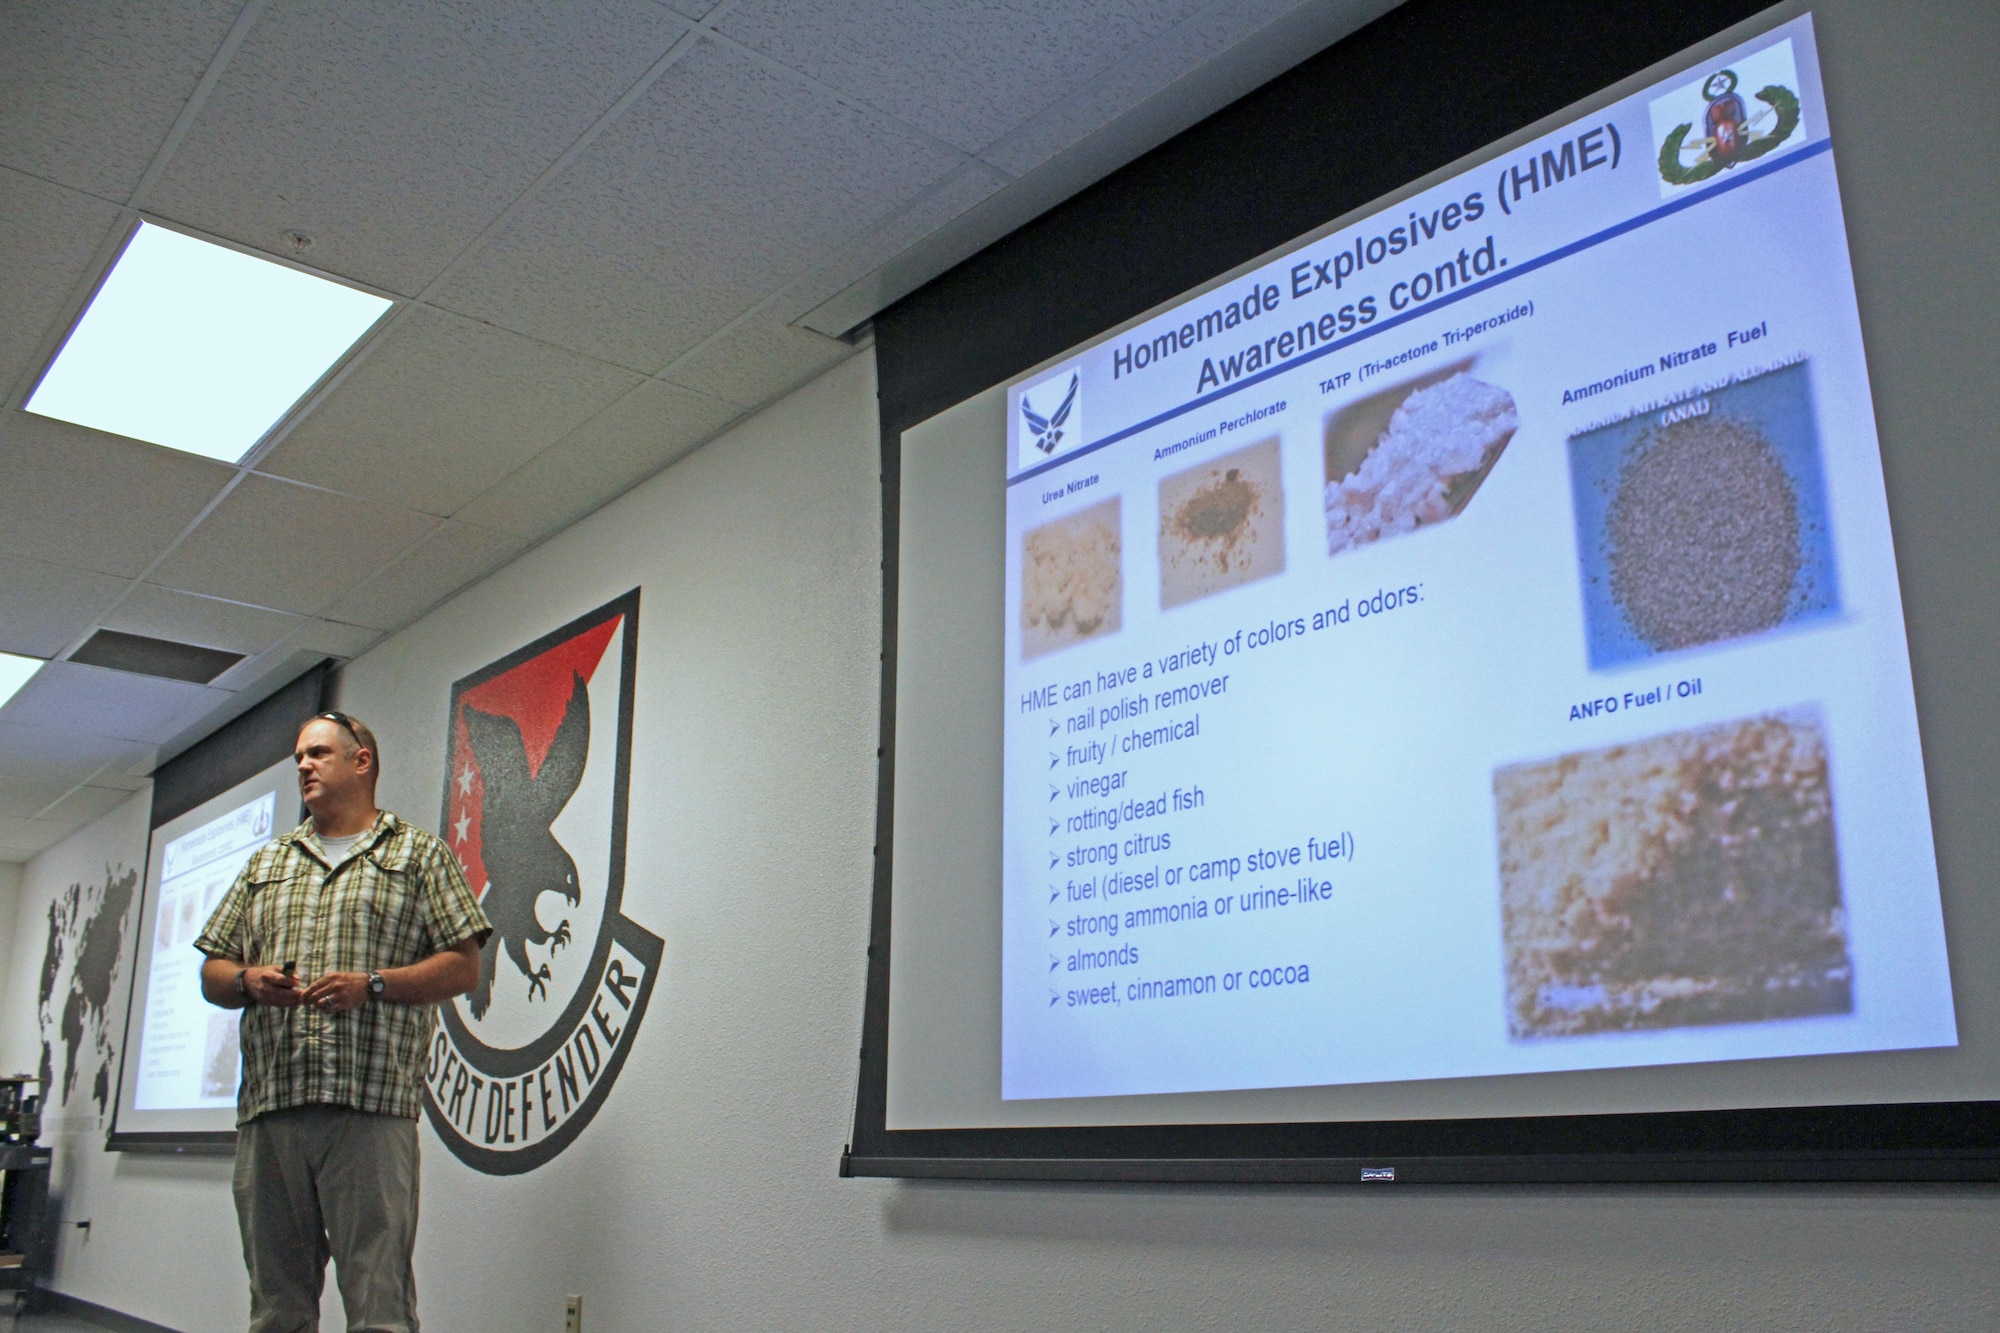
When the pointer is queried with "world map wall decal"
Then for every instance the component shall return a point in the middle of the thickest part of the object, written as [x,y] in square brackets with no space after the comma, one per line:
[80,969]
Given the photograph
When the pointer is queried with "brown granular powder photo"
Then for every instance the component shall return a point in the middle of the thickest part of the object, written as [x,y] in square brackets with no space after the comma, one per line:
[1222,524]
[1685,879]
[1218,513]
[1704,534]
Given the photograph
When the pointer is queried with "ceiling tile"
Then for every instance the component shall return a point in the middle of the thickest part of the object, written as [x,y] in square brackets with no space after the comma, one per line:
[24,798]
[137,762]
[44,607]
[450,558]
[628,442]
[21,839]
[441,410]
[332,638]
[113,780]
[80,497]
[965,71]
[48,236]
[852,282]
[755,360]
[718,186]
[68,757]
[1137,75]
[1195,46]
[117,705]
[292,548]
[88,92]
[182,617]
[392,133]
[305,647]
[81,805]
[1150,94]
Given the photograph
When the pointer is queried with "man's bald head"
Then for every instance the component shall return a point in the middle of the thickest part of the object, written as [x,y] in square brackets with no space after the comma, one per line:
[338,764]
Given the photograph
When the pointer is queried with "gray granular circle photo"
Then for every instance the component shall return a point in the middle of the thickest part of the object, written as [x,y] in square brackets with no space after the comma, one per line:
[1704,533]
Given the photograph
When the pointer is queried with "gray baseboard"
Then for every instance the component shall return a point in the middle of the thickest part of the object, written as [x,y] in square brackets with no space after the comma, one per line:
[55,1302]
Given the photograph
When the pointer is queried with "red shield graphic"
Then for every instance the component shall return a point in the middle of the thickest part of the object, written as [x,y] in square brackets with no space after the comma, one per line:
[538,771]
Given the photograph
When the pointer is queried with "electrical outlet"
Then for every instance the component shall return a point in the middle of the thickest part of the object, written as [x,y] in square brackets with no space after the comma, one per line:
[572,1313]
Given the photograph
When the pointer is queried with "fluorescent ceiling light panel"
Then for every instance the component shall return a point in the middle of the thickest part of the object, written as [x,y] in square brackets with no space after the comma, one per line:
[199,347]
[14,673]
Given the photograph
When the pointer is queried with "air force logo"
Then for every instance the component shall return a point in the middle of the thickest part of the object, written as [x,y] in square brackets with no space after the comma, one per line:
[538,757]
[1051,418]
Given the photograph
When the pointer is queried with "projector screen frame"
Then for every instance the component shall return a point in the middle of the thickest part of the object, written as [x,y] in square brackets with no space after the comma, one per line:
[924,370]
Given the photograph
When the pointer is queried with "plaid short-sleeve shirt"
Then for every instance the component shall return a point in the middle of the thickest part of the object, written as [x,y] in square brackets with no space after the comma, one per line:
[399,898]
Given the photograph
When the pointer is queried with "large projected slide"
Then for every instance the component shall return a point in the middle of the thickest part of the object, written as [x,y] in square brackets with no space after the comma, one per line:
[1470,643]
[183,1061]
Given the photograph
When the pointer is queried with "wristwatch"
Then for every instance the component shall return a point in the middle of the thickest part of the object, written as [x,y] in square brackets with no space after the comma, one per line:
[376,985]
[243,986]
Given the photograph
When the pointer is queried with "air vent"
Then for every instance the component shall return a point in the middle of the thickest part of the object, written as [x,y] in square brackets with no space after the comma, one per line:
[154,657]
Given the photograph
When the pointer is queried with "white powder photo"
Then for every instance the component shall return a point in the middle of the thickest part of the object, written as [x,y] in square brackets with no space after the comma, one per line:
[1442,438]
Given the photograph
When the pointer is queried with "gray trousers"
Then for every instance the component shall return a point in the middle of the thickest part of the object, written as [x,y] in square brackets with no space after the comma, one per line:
[321,1181]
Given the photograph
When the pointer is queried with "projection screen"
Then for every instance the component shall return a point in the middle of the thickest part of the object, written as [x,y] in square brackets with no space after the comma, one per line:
[1437,698]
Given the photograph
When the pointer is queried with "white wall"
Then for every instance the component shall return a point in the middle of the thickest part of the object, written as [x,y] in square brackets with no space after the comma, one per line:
[705,1194]
[162,1240]
[11,874]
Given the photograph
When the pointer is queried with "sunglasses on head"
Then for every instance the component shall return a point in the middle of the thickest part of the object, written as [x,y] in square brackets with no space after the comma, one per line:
[342,720]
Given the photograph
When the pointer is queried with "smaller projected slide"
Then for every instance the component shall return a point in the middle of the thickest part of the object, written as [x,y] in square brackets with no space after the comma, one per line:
[183,1061]
[188,1055]
[1469,643]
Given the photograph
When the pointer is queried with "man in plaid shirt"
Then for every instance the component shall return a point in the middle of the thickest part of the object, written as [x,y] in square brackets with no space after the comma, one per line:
[339,940]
